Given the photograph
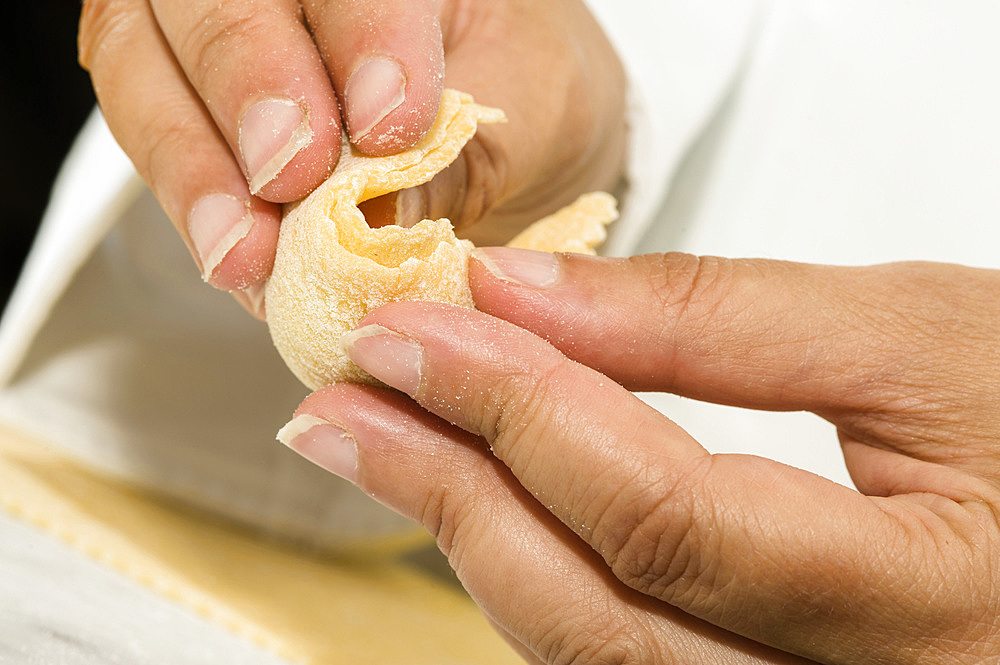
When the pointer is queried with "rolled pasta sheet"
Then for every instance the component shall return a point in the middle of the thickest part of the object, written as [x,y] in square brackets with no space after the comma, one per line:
[331,268]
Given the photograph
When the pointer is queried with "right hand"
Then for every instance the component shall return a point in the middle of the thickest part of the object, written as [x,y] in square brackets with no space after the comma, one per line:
[522,449]
[230,109]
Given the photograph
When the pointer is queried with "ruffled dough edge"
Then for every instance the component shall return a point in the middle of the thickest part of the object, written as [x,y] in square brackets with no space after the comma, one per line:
[331,268]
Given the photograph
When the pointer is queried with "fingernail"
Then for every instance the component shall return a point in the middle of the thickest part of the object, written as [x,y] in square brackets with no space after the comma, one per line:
[374,90]
[410,205]
[272,132]
[255,294]
[521,266]
[216,223]
[323,444]
[388,356]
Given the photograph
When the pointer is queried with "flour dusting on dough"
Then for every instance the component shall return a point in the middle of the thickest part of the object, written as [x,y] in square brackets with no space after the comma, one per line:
[331,268]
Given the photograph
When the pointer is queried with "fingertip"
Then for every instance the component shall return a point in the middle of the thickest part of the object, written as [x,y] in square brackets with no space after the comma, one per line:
[252,300]
[369,415]
[288,148]
[234,241]
[386,60]
[515,266]
[323,443]
[387,109]
[321,403]
[375,89]
[395,442]
[259,75]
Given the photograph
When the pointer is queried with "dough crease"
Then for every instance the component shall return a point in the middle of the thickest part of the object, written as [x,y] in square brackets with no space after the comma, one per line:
[331,268]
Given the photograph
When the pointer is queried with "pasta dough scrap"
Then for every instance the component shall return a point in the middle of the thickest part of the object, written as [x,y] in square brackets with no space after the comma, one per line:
[331,268]
[578,228]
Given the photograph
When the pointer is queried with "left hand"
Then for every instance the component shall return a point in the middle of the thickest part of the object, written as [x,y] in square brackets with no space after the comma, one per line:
[230,108]
[590,528]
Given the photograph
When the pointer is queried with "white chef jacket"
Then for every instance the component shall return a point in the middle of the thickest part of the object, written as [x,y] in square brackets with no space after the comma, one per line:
[834,131]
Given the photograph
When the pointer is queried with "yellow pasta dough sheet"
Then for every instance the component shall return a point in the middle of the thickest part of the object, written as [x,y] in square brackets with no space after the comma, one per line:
[307,608]
[331,268]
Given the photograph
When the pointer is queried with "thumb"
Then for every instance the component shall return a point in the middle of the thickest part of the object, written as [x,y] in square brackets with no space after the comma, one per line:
[565,129]
[565,133]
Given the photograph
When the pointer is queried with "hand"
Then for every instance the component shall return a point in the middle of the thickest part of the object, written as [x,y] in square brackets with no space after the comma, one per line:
[230,108]
[590,528]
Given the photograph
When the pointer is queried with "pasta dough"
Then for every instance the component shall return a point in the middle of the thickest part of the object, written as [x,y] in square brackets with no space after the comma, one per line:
[331,268]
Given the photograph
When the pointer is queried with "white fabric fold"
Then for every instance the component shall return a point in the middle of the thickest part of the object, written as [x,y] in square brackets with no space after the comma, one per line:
[682,59]
[94,187]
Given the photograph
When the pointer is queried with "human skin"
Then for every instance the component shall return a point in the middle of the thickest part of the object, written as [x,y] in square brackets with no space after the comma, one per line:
[513,438]
[229,109]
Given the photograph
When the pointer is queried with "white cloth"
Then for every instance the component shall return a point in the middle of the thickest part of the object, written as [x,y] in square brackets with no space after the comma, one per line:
[682,59]
[859,132]
[62,607]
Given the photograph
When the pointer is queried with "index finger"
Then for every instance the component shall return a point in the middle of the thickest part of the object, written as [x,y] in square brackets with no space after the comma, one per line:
[256,68]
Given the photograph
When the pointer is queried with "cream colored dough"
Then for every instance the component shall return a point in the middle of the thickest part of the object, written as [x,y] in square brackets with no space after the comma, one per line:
[331,268]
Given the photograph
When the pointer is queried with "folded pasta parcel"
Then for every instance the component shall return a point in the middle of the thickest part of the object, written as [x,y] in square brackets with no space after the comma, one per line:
[331,268]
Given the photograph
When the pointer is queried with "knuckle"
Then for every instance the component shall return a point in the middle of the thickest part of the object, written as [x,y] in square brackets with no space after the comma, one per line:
[104,24]
[520,393]
[711,309]
[655,563]
[620,647]
[165,144]
[324,18]
[432,516]
[688,288]
[446,516]
[225,30]
[166,147]
[652,541]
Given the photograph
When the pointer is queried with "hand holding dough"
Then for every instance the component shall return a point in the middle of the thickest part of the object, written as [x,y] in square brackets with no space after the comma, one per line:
[331,268]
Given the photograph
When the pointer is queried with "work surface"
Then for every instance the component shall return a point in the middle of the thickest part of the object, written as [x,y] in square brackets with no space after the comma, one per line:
[394,603]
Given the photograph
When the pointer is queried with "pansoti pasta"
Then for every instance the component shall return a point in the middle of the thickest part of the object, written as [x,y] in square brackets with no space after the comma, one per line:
[331,268]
